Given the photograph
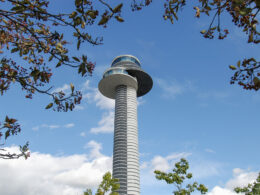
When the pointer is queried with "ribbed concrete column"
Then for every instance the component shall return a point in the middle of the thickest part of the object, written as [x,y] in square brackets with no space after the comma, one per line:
[120,139]
[133,186]
[126,157]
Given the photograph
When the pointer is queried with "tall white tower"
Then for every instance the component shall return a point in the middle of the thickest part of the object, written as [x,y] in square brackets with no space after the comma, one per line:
[124,82]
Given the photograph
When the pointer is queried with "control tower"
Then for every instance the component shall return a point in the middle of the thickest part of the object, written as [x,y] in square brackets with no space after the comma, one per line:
[124,82]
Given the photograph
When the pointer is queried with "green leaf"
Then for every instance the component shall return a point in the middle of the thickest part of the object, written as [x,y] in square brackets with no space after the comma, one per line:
[78,2]
[250,38]
[17,8]
[189,175]
[82,69]
[50,58]
[92,14]
[78,44]
[5,21]
[257,2]
[175,15]
[256,81]
[88,192]
[119,19]
[76,59]
[84,58]
[6,119]
[232,67]
[243,13]
[72,87]
[71,107]
[14,50]
[73,14]
[103,20]
[238,64]
[58,64]
[78,21]
[7,134]
[67,106]
[118,8]
[203,31]
[49,106]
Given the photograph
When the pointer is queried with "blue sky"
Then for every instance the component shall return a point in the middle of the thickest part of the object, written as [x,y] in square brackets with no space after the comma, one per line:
[192,111]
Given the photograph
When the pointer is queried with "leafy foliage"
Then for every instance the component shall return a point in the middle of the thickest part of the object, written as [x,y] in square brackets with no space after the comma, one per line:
[178,176]
[251,189]
[247,74]
[30,30]
[8,128]
[108,184]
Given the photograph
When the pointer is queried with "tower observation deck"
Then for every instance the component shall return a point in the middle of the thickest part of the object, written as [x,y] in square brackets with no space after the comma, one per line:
[124,82]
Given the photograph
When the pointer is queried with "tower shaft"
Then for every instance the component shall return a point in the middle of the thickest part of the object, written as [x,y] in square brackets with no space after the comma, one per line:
[126,155]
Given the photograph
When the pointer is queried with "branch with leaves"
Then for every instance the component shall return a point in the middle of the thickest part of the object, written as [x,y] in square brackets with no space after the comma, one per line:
[108,185]
[178,176]
[30,30]
[7,128]
[250,189]
[247,74]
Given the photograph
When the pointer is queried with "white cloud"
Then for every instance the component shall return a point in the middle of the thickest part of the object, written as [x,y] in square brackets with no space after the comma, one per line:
[69,125]
[170,89]
[50,126]
[213,94]
[240,179]
[209,150]
[164,163]
[99,70]
[160,163]
[36,128]
[64,88]
[180,155]
[140,101]
[95,149]
[144,165]
[146,44]
[106,124]
[205,168]
[86,85]
[102,102]
[93,95]
[53,126]
[82,134]
[221,191]
[43,174]
[78,107]
[200,169]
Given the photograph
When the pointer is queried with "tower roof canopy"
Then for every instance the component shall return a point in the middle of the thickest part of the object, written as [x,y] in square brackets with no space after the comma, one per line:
[123,60]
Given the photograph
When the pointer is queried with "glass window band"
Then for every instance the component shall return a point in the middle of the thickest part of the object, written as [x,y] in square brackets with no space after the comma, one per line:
[126,58]
[114,71]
